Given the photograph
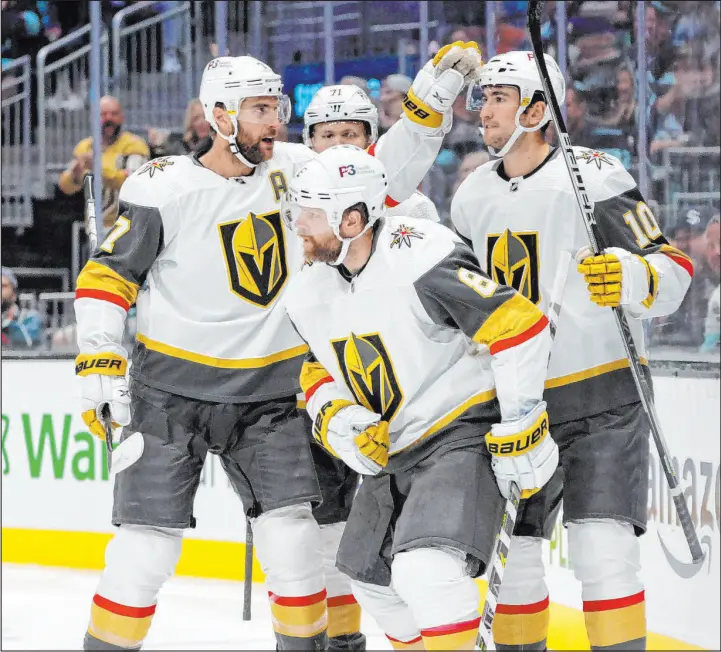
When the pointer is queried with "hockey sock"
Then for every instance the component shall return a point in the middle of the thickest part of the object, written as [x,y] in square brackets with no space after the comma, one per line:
[344,616]
[617,624]
[300,623]
[456,636]
[412,644]
[521,626]
[115,626]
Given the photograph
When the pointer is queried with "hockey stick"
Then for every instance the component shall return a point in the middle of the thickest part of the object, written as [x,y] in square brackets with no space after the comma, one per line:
[535,8]
[248,580]
[499,556]
[129,451]
[92,231]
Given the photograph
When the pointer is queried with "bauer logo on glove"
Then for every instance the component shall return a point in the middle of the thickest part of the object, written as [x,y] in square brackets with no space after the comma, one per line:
[520,443]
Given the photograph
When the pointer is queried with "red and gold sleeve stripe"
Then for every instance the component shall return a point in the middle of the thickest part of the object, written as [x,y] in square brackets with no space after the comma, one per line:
[98,281]
[457,636]
[615,621]
[521,624]
[678,257]
[514,322]
[312,377]
[390,202]
[119,624]
[304,616]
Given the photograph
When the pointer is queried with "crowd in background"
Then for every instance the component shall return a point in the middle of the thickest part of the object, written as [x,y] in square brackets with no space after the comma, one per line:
[682,109]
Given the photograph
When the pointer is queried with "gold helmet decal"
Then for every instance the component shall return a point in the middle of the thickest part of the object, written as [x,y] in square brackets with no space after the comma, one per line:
[369,373]
[512,259]
[254,250]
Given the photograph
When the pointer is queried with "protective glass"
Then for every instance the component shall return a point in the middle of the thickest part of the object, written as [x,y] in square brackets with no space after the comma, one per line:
[266,113]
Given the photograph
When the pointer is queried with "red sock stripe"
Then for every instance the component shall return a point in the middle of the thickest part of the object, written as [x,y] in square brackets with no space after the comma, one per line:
[502,345]
[341,600]
[314,388]
[397,640]
[454,628]
[615,603]
[301,601]
[518,609]
[103,296]
[121,609]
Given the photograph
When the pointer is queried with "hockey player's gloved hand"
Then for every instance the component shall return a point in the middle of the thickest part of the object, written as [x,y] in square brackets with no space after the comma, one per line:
[354,434]
[100,380]
[523,452]
[618,277]
[438,83]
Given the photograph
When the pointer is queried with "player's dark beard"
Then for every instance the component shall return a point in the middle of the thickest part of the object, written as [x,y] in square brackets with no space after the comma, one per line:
[251,153]
[6,305]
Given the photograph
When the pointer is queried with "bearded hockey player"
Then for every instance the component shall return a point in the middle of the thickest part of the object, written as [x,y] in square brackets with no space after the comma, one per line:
[519,213]
[344,114]
[418,356]
[200,247]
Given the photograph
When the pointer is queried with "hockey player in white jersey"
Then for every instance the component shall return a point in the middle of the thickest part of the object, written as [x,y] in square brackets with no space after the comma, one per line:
[200,247]
[519,213]
[415,356]
[344,114]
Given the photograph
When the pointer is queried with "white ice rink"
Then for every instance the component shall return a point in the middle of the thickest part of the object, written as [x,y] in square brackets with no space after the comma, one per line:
[48,608]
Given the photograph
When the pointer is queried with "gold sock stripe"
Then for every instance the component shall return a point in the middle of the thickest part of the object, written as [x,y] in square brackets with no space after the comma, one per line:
[521,624]
[344,615]
[609,624]
[116,629]
[299,617]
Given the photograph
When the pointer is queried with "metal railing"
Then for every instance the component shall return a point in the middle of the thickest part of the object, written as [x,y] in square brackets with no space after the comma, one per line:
[60,274]
[17,208]
[152,68]
[63,116]
[691,170]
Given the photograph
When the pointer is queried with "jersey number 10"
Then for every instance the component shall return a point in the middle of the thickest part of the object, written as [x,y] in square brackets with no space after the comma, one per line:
[643,224]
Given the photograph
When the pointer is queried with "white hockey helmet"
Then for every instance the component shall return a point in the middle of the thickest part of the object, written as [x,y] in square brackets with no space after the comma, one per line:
[333,181]
[517,69]
[340,103]
[230,80]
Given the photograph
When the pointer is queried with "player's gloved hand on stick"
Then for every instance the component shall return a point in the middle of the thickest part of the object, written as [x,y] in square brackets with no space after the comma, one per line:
[439,82]
[523,452]
[100,380]
[354,434]
[618,277]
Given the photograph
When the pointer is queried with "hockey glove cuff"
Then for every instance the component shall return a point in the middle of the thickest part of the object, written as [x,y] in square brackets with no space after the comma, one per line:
[618,278]
[101,380]
[523,452]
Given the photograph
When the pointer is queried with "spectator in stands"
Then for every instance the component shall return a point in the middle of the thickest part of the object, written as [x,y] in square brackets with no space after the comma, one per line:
[622,109]
[464,136]
[393,90]
[580,128]
[196,129]
[712,325]
[712,332]
[469,163]
[122,154]
[21,329]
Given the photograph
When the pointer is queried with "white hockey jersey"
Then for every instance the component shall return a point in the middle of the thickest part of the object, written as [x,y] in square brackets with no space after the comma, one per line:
[518,227]
[420,336]
[207,260]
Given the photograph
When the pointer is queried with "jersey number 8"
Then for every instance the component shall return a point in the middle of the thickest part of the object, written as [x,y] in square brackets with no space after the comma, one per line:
[643,224]
[480,284]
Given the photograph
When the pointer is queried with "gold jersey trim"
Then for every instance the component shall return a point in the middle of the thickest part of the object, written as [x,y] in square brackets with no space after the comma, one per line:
[222,363]
[608,367]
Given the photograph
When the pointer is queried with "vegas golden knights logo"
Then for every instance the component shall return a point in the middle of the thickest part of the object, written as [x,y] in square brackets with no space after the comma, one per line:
[254,250]
[512,259]
[369,373]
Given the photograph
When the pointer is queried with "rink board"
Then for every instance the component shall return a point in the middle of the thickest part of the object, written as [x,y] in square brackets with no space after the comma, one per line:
[56,505]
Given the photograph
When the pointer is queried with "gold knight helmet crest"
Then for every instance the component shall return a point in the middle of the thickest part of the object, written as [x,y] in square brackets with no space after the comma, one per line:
[512,259]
